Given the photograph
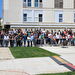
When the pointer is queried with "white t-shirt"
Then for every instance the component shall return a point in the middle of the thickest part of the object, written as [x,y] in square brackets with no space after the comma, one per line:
[6,37]
[57,36]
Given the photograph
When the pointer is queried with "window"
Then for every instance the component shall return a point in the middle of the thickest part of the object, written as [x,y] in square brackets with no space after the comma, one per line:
[40,0]
[38,3]
[60,17]
[24,4]
[27,3]
[40,17]
[24,0]
[74,17]
[58,4]
[24,17]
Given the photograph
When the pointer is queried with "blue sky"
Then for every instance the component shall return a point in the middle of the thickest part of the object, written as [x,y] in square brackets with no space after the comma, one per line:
[0,8]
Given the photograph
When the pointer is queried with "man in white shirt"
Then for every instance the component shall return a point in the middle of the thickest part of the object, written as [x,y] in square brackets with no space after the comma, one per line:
[6,40]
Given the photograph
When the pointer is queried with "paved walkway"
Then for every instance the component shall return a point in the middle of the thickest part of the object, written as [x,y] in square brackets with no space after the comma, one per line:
[33,66]
[66,53]
[5,54]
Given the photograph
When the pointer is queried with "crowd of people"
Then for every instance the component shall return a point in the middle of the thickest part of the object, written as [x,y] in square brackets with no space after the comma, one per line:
[17,37]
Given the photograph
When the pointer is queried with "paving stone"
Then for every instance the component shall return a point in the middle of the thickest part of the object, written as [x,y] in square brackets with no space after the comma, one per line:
[5,54]
[33,65]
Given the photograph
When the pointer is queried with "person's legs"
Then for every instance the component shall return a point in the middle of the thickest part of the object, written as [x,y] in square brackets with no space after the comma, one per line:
[21,42]
[24,43]
[31,43]
[10,43]
[49,40]
[41,42]
[7,43]
[52,42]
[57,40]
[74,42]
[35,42]
[17,43]
[0,43]
[46,40]
[4,43]
[28,43]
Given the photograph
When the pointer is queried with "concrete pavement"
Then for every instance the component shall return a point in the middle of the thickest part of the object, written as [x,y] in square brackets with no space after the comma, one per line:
[5,53]
[33,66]
[66,53]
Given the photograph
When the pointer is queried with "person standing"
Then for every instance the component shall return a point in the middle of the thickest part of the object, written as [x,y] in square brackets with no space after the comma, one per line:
[1,39]
[32,39]
[28,41]
[57,38]
[25,38]
[18,40]
[11,41]
[6,40]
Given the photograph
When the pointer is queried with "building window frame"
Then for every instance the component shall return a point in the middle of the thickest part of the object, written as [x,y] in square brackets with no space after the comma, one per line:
[27,3]
[25,17]
[60,18]
[38,3]
[58,4]
[40,17]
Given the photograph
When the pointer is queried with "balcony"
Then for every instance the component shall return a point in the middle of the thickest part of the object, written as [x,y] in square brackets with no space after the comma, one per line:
[24,5]
[40,4]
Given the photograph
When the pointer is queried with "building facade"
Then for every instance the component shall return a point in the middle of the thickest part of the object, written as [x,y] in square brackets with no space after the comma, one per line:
[39,13]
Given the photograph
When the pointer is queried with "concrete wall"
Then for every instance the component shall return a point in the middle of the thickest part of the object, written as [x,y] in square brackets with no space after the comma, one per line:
[68,16]
[68,4]
[49,16]
[48,3]
[13,11]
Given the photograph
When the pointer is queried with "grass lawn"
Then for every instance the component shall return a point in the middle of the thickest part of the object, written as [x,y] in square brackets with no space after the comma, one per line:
[26,52]
[66,73]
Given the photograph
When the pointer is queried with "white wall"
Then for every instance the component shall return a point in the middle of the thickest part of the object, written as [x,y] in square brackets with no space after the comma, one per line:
[68,16]
[48,3]
[14,12]
[49,16]
[29,15]
[68,3]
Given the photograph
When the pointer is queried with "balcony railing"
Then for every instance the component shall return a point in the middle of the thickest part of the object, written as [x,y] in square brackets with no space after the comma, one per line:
[24,5]
[40,4]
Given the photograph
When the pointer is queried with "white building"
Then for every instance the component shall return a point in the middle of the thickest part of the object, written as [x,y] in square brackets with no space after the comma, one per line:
[39,13]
